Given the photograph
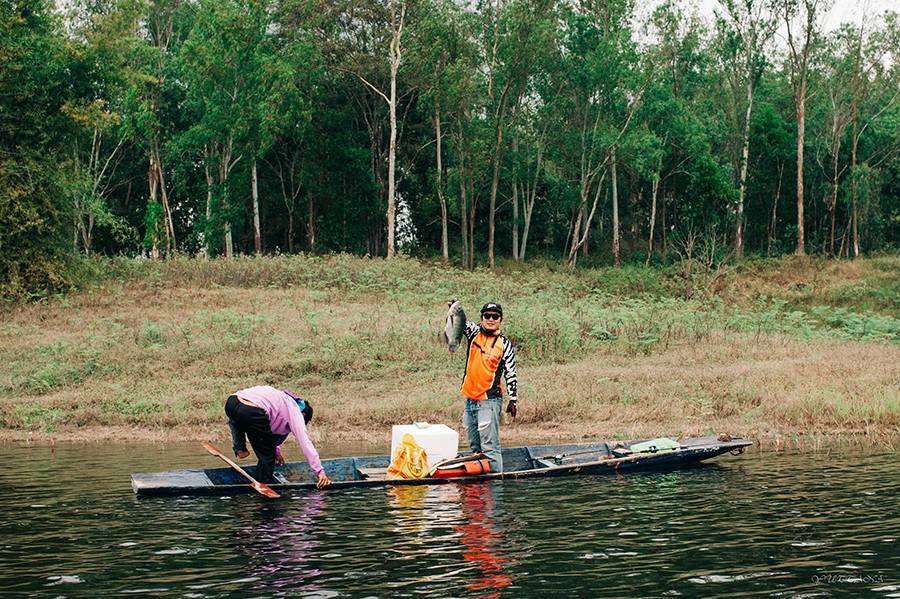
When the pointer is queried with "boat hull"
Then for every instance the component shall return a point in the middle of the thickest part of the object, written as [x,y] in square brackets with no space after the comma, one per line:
[521,462]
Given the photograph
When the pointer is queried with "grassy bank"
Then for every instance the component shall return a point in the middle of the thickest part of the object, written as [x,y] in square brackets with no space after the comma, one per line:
[779,350]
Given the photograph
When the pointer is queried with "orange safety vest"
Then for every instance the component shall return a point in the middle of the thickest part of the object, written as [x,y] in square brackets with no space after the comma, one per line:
[483,365]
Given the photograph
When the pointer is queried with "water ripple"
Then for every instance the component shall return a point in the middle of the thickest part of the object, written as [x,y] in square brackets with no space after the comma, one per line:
[794,525]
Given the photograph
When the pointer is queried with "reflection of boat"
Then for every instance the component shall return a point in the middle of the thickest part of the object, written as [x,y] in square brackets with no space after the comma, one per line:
[521,462]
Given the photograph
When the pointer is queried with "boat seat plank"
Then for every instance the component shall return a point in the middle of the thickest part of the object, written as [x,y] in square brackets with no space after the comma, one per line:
[373,473]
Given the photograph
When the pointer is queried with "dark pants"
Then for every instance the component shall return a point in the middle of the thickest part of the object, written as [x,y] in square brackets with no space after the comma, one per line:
[254,423]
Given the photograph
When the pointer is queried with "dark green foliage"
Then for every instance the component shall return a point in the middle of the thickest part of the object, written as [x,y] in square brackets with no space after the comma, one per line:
[33,213]
[549,90]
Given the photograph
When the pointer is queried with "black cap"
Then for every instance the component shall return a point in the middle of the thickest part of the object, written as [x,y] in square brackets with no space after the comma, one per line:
[492,307]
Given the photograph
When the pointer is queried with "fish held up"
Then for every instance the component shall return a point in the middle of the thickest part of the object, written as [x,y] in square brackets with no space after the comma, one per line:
[455,327]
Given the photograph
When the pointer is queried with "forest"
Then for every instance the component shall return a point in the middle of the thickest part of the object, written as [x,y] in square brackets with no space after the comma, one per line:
[596,131]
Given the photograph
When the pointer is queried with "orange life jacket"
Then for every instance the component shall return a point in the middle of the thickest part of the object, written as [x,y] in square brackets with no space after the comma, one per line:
[483,366]
[470,468]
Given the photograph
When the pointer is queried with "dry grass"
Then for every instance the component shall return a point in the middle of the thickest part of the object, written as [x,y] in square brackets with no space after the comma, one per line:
[872,284]
[153,358]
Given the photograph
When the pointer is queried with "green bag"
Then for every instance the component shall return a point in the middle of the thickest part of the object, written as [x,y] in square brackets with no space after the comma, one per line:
[655,446]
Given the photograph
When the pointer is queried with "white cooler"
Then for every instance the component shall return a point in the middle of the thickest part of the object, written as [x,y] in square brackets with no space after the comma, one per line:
[439,440]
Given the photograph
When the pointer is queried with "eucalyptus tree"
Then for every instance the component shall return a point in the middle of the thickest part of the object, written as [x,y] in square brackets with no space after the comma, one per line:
[104,36]
[296,97]
[679,110]
[746,27]
[774,148]
[802,19]
[536,119]
[234,81]
[514,33]
[839,70]
[150,109]
[875,88]
[366,41]
[465,86]
[600,90]
[437,45]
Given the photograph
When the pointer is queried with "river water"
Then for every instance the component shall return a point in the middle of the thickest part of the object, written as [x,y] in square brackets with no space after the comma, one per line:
[788,524]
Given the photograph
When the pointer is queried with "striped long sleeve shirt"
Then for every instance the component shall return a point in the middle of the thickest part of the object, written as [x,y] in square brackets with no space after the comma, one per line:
[490,358]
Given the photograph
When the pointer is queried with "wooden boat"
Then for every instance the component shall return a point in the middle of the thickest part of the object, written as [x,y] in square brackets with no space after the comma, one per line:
[520,462]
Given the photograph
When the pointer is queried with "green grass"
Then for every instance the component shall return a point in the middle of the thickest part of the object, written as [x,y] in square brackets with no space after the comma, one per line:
[160,344]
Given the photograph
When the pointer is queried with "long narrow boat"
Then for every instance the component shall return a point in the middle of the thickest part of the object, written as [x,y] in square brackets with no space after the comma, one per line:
[520,462]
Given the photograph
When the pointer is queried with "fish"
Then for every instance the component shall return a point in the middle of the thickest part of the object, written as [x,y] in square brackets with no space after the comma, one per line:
[455,328]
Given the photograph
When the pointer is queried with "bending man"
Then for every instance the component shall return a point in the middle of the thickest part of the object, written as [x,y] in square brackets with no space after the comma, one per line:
[266,416]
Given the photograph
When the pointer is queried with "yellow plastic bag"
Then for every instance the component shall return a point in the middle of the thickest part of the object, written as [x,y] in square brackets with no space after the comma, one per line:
[409,461]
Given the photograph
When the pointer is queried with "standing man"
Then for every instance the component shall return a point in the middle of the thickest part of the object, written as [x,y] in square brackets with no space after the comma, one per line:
[490,356]
[266,416]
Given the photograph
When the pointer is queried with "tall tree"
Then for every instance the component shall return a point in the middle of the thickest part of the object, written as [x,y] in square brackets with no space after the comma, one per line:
[746,26]
[802,21]
[236,86]
[868,52]
[514,34]
[602,94]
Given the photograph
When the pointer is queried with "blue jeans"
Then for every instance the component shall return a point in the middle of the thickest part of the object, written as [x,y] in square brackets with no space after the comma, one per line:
[482,422]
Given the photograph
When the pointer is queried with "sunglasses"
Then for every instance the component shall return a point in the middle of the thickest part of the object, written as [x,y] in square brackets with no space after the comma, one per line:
[491,316]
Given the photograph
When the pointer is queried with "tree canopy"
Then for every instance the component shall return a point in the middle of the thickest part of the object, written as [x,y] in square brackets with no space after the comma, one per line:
[577,131]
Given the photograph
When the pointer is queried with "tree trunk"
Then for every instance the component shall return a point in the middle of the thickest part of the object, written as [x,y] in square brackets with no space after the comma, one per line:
[654,187]
[209,185]
[153,181]
[854,157]
[664,238]
[742,188]
[633,197]
[395,55]
[587,233]
[224,168]
[156,163]
[617,258]
[774,223]
[832,203]
[495,183]
[445,250]
[528,210]
[801,132]
[254,193]
[515,206]
[583,223]
[392,152]
[472,205]
[463,207]
[290,231]
[311,222]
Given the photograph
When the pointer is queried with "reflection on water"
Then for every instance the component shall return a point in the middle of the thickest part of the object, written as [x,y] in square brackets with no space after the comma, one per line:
[466,518]
[482,537]
[762,524]
[278,540]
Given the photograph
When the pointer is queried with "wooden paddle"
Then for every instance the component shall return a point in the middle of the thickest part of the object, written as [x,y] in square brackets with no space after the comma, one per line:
[259,487]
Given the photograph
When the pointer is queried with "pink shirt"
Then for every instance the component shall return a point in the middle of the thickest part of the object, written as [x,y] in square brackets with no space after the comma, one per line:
[284,417]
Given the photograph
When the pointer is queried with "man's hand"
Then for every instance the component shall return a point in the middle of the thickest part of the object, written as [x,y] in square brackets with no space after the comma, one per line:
[512,408]
[279,460]
[323,481]
[242,453]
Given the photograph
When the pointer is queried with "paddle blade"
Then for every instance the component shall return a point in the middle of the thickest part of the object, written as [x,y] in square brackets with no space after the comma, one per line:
[263,489]
[212,449]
